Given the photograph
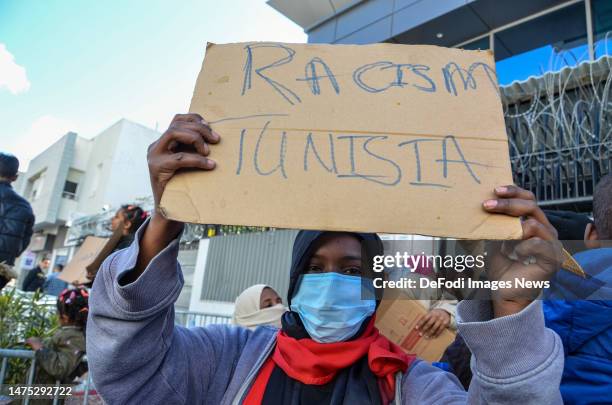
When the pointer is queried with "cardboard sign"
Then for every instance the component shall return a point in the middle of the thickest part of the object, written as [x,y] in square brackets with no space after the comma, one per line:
[396,319]
[111,243]
[76,269]
[379,138]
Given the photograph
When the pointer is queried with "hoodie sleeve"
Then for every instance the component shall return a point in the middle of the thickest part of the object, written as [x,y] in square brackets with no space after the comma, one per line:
[136,353]
[515,360]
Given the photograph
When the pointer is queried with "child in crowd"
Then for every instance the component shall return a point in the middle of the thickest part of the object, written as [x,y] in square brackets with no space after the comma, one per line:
[59,357]
[441,305]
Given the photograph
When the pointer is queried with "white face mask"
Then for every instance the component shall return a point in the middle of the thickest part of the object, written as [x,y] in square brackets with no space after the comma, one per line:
[270,316]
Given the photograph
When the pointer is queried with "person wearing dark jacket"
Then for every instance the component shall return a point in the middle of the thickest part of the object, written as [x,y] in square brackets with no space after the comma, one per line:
[35,279]
[580,309]
[16,219]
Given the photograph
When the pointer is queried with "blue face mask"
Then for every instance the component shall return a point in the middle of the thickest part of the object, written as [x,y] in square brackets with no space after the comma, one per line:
[330,306]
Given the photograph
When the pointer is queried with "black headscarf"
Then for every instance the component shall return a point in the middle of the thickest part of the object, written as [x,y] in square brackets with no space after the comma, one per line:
[570,228]
[355,384]
[303,248]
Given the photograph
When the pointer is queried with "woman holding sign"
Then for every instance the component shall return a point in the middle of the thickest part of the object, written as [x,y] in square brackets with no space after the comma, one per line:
[328,350]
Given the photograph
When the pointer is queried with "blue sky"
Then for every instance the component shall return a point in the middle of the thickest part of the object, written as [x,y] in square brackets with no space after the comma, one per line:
[537,62]
[82,65]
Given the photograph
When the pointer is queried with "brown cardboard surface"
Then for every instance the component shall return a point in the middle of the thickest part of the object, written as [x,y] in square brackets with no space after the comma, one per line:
[76,269]
[380,138]
[107,249]
[396,319]
[570,264]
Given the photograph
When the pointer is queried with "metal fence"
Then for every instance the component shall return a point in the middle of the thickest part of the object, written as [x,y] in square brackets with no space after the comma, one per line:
[7,354]
[565,176]
[196,319]
[184,318]
[560,133]
[191,319]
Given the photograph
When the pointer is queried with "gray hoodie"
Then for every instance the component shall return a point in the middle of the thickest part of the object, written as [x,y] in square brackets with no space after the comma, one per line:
[138,356]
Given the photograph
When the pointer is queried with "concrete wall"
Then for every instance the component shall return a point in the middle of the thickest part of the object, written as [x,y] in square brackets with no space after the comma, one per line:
[20,183]
[67,209]
[117,171]
[130,156]
[82,148]
[98,170]
[53,165]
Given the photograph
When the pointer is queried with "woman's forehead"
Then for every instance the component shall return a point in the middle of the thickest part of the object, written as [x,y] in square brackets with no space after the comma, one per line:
[268,292]
[337,243]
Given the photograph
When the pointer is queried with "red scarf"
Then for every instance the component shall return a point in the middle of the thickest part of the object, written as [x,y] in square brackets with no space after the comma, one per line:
[316,363]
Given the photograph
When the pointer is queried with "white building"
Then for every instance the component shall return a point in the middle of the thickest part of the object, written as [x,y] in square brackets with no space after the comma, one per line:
[77,176]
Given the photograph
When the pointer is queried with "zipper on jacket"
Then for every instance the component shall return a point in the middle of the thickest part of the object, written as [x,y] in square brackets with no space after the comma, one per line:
[398,388]
[238,399]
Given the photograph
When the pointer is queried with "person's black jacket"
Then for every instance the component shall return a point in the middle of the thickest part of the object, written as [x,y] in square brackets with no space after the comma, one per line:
[16,222]
[34,280]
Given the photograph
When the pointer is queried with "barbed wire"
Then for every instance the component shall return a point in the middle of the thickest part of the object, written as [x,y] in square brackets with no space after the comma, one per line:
[559,128]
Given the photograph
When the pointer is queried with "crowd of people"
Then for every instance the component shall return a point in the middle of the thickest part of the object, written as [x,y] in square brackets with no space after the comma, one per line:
[321,345]
[59,357]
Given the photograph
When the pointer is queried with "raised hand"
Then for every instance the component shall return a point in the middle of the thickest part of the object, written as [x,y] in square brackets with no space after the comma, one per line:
[184,146]
[535,258]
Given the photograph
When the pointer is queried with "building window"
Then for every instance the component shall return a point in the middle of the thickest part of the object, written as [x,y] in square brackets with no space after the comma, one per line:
[547,43]
[71,186]
[601,12]
[35,185]
[70,190]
